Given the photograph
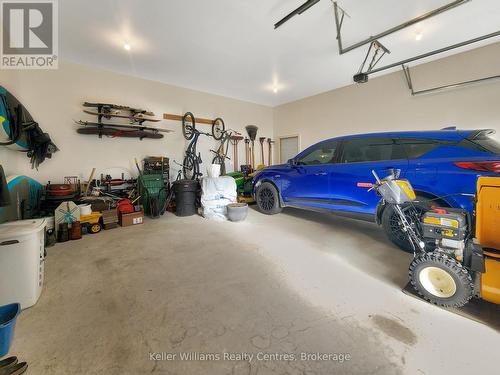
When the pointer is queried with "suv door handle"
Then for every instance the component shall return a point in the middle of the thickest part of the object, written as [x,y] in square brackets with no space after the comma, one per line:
[320,174]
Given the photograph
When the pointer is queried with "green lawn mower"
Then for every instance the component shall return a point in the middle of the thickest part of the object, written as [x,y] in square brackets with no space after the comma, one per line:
[244,184]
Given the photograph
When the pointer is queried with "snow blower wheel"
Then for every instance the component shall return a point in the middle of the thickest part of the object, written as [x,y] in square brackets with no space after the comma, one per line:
[441,280]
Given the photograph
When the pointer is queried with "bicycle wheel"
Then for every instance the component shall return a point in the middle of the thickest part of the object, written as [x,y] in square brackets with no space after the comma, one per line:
[188,125]
[218,128]
[190,167]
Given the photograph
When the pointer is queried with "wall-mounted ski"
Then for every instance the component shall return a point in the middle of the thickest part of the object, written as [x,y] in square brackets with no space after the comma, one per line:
[133,118]
[114,132]
[135,129]
[124,126]
[106,107]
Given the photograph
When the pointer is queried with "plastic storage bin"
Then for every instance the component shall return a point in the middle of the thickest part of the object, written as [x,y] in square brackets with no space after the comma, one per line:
[185,197]
[8,317]
[22,247]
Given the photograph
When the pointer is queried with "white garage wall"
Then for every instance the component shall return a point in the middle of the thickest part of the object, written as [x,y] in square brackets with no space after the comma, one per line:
[54,99]
[385,103]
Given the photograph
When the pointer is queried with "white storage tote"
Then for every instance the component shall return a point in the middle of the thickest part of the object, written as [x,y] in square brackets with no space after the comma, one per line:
[22,247]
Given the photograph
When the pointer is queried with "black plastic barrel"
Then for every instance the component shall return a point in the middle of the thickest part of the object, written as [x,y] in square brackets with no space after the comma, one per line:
[185,197]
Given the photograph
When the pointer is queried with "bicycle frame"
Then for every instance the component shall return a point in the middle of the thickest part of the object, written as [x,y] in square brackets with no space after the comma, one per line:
[192,159]
[191,149]
[222,150]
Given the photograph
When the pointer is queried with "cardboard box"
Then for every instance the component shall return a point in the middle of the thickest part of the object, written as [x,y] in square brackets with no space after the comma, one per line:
[110,216]
[133,218]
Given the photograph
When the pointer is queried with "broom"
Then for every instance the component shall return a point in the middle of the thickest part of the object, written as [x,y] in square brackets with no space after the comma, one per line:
[252,134]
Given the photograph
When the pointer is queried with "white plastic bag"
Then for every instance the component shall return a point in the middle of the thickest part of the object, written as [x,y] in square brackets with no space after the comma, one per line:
[214,170]
[216,194]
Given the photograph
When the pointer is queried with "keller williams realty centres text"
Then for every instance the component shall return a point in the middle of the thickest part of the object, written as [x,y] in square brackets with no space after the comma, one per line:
[249,357]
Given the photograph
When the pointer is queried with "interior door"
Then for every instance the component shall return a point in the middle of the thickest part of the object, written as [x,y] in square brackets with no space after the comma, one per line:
[360,156]
[289,148]
[307,180]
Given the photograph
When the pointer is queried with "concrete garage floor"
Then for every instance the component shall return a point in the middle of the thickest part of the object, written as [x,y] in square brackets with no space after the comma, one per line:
[298,282]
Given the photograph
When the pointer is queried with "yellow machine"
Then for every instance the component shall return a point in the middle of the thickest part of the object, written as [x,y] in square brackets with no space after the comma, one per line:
[456,257]
[465,262]
[91,222]
[488,236]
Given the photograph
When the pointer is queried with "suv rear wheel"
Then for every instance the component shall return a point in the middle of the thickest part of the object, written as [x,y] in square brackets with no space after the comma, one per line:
[268,199]
[393,229]
[392,224]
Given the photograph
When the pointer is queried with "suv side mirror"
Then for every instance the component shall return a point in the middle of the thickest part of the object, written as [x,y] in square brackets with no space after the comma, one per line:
[291,162]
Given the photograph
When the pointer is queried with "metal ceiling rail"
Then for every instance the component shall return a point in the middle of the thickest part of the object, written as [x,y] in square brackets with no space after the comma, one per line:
[339,19]
[296,12]
[341,13]
[406,71]
[378,48]
[435,52]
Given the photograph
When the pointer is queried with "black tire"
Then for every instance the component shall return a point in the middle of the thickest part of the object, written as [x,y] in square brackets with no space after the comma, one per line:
[218,128]
[268,199]
[392,225]
[188,126]
[190,167]
[219,160]
[441,280]
[392,228]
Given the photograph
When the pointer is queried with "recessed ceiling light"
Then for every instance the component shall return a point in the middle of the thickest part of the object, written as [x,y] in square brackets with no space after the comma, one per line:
[275,89]
[419,36]
[127,46]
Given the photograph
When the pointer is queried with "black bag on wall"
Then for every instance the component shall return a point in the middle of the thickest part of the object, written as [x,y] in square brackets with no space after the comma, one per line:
[20,132]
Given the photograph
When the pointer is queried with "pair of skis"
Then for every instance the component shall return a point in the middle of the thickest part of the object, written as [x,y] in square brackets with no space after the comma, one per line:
[120,130]
[103,107]
[135,129]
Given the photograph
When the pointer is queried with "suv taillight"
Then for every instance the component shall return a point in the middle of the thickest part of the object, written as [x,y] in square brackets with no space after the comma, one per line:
[483,166]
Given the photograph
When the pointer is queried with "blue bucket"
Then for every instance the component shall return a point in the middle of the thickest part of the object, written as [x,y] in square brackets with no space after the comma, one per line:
[8,317]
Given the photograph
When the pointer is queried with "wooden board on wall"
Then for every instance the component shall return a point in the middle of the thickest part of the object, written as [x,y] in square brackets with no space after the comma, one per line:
[168,116]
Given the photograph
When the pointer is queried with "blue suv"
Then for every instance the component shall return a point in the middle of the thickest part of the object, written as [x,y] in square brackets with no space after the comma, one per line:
[333,175]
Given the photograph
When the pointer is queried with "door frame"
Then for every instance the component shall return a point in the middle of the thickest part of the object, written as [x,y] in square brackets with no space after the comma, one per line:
[278,148]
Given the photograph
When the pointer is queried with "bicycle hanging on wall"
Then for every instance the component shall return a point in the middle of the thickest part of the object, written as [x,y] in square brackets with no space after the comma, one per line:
[225,136]
[192,159]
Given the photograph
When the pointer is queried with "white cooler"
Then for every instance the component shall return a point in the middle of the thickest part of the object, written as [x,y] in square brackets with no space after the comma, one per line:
[22,247]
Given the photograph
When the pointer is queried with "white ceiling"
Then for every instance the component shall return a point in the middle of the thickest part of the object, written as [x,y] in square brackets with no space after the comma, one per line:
[229,47]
